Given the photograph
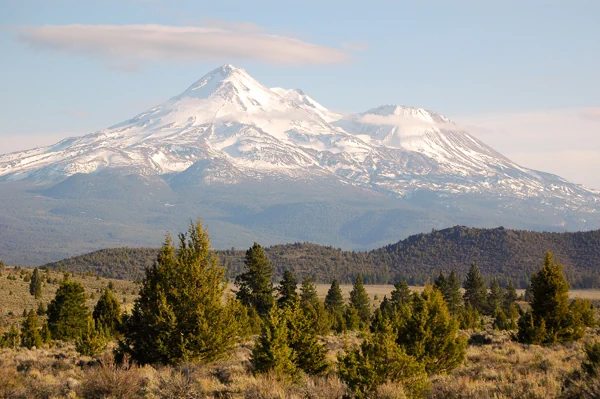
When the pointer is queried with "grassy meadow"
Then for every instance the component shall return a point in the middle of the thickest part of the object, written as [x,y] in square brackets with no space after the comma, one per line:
[495,366]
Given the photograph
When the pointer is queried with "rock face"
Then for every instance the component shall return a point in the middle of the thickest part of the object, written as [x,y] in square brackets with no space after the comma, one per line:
[228,132]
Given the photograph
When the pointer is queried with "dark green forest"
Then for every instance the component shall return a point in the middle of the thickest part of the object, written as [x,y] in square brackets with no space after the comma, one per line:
[509,255]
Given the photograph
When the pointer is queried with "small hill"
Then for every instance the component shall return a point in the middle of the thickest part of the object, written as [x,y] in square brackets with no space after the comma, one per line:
[507,254]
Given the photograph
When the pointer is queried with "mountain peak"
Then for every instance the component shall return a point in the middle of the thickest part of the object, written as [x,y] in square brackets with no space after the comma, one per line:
[408,112]
[225,78]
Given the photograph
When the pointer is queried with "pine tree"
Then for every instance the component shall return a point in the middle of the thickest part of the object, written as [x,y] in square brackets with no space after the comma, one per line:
[30,331]
[379,360]
[94,340]
[334,300]
[287,289]
[272,352]
[308,292]
[351,318]
[401,294]
[550,320]
[255,286]
[67,312]
[495,297]
[453,296]
[313,307]
[475,290]
[35,285]
[308,353]
[180,314]
[440,283]
[430,334]
[510,295]
[334,303]
[45,334]
[107,312]
[359,300]
[11,338]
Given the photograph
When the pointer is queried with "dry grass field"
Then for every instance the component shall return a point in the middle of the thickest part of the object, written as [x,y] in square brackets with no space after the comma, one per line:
[495,365]
[15,297]
[498,369]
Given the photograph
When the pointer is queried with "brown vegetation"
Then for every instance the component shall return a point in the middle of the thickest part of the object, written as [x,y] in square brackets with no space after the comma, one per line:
[500,369]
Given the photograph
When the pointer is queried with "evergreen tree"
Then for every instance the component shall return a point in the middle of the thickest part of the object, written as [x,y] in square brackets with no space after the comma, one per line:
[334,300]
[287,289]
[67,312]
[308,293]
[453,296]
[30,331]
[93,340]
[550,320]
[430,334]
[583,313]
[255,286]
[379,360]
[495,297]
[334,303]
[352,320]
[359,300]
[107,312]
[401,294]
[11,338]
[475,290]
[180,314]
[510,295]
[272,352]
[45,334]
[313,307]
[308,353]
[440,283]
[35,285]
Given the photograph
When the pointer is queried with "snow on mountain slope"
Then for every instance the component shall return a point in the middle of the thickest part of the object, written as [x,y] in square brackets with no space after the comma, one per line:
[228,127]
[303,100]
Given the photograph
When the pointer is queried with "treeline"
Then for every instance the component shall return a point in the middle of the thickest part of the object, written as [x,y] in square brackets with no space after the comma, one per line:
[182,315]
[509,255]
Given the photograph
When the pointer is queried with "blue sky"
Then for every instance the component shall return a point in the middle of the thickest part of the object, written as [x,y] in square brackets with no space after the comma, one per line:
[525,73]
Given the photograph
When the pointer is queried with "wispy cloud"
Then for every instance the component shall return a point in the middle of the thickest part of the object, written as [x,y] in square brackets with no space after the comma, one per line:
[218,40]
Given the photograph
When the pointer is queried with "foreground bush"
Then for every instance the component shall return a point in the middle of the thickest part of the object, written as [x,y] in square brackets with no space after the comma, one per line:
[379,361]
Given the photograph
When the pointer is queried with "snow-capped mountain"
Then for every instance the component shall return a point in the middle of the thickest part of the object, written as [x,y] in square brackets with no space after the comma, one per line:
[274,166]
[229,119]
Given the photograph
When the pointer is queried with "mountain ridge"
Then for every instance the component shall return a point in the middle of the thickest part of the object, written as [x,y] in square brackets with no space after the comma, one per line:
[510,255]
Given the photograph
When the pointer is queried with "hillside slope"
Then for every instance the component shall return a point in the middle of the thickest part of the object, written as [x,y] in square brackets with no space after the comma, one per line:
[507,254]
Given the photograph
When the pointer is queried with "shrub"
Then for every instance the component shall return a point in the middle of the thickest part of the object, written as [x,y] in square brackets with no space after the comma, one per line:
[379,360]
[93,341]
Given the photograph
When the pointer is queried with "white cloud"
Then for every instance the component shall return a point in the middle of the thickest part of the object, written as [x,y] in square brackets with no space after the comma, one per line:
[220,41]
[565,142]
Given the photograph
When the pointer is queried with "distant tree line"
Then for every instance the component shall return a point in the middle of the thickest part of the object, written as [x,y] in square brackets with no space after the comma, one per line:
[509,255]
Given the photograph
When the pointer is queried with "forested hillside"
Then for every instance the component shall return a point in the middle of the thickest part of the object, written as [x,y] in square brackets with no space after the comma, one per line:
[507,254]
